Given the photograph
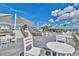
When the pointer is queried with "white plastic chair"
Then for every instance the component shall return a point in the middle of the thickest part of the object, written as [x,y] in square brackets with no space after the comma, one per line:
[11,39]
[8,37]
[3,41]
[68,35]
[0,41]
[18,35]
[8,40]
[60,38]
[29,50]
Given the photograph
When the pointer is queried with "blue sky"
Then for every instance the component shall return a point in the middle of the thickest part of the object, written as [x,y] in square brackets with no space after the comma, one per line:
[36,12]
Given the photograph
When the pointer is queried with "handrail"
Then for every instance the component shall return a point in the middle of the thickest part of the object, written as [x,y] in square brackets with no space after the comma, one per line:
[77,41]
[76,36]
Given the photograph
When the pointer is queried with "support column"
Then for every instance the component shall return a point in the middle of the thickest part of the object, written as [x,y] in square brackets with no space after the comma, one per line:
[15,21]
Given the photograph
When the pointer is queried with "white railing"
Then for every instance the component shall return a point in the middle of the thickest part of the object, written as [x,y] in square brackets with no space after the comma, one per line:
[77,36]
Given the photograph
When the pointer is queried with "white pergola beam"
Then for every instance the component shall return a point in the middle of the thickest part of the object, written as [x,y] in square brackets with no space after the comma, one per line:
[2,14]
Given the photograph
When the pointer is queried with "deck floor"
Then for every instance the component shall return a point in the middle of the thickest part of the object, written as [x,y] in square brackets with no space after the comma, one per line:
[12,50]
[38,41]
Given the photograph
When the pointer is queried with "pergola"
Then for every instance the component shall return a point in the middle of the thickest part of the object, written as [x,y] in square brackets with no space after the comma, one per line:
[5,19]
[2,14]
[23,20]
[17,19]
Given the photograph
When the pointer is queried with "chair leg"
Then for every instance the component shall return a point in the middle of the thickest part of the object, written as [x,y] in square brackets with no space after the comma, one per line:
[8,44]
[13,43]
[3,45]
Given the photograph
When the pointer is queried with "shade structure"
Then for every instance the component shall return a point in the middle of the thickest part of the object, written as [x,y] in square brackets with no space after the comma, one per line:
[24,20]
[21,20]
[5,19]
[17,22]
[3,14]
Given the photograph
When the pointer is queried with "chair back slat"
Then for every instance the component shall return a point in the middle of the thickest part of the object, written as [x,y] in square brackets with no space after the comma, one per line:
[60,38]
[28,41]
[3,38]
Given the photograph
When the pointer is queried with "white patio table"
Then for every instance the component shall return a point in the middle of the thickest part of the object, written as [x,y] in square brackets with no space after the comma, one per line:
[61,48]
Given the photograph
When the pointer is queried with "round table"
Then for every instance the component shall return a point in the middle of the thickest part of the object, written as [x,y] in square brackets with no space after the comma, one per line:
[61,47]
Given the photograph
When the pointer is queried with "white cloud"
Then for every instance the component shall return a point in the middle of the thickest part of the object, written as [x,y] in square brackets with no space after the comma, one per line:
[77,24]
[69,9]
[49,24]
[64,16]
[60,13]
[69,12]
[74,14]
[57,20]
[57,12]
[51,20]
[61,24]
[68,22]
[75,20]
[54,13]
[76,4]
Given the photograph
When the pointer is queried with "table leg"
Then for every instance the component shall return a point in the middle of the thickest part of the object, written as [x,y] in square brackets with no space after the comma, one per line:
[57,54]
[67,54]
[51,53]
[54,53]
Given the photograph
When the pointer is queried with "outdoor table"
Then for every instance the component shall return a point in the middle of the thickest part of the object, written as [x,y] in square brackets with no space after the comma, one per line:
[62,48]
